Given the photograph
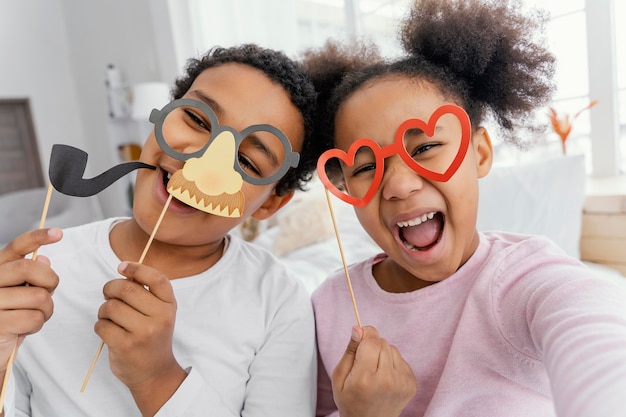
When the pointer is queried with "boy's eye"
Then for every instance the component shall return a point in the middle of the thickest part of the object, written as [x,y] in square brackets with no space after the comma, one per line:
[186,128]
[248,166]
[198,120]
[260,154]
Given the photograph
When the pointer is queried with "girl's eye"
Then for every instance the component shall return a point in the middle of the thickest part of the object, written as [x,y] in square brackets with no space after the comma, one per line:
[198,120]
[247,165]
[362,169]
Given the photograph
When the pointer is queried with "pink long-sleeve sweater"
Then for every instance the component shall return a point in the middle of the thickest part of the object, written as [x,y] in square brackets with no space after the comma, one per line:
[520,330]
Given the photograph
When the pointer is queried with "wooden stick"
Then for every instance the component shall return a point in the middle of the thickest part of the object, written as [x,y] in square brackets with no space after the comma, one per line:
[44,214]
[143,255]
[156,227]
[7,373]
[6,376]
[343,260]
[93,364]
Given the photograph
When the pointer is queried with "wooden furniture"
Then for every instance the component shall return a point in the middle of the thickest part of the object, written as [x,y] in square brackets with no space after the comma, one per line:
[603,237]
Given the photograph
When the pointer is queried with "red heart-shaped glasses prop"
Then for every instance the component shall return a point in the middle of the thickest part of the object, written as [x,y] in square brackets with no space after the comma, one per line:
[397,147]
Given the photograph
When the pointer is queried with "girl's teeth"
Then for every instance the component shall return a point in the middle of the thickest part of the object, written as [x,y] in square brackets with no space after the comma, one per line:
[419,220]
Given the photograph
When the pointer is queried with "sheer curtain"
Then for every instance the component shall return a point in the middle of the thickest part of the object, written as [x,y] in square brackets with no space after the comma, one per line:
[294,25]
[270,23]
[620,34]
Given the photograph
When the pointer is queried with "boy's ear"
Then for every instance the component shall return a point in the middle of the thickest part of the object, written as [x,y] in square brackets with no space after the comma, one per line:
[273,203]
[484,151]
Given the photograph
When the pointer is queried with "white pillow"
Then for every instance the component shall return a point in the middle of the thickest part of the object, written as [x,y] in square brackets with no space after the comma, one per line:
[305,220]
[303,235]
[542,198]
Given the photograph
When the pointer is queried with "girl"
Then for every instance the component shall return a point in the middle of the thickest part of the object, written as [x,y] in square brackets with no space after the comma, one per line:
[474,324]
[208,324]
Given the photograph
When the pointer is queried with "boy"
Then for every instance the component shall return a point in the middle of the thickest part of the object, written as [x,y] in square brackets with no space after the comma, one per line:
[207,324]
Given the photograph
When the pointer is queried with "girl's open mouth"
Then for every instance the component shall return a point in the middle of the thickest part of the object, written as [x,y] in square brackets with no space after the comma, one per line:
[421,233]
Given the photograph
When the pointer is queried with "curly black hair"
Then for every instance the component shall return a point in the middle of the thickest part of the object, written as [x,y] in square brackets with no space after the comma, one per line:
[327,67]
[278,67]
[486,55]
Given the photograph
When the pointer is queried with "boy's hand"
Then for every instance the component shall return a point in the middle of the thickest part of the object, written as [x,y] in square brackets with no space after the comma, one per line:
[372,378]
[137,323]
[25,308]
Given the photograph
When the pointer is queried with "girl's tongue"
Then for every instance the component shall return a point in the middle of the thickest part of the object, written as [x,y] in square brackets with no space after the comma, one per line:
[423,235]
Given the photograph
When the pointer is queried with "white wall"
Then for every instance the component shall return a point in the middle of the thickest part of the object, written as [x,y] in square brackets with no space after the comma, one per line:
[54,52]
[34,64]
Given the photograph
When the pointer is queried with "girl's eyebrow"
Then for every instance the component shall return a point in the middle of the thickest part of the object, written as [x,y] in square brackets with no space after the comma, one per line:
[217,109]
[363,150]
[414,132]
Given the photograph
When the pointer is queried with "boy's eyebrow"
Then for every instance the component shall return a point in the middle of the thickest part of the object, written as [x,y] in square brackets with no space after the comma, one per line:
[217,109]
[254,140]
[259,144]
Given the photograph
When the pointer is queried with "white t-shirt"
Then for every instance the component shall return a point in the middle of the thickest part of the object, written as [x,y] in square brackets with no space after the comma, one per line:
[244,331]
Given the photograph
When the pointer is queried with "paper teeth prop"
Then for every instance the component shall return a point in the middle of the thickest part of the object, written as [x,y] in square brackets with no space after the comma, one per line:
[210,183]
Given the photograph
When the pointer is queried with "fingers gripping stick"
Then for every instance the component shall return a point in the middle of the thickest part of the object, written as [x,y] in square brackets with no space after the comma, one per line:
[7,373]
[143,255]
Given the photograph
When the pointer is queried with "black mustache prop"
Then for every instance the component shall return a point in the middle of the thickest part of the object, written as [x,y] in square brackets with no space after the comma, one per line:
[67,167]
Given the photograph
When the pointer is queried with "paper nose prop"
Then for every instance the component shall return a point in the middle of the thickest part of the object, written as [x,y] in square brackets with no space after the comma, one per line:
[210,183]
[67,167]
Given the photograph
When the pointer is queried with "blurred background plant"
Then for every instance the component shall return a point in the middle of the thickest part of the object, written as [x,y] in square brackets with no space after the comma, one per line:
[562,124]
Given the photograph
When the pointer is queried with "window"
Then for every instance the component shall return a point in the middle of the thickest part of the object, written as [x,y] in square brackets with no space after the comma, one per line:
[620,35]
[571,77]
[20,167]
[294,25]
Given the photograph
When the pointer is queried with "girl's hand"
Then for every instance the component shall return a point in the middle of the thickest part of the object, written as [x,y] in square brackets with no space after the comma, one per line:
[25,308]
[372,378]
[137,323]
